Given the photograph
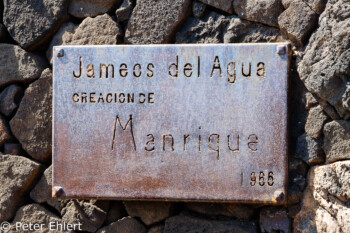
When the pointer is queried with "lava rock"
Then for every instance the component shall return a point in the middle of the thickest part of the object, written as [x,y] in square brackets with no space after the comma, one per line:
[298,22]
[156,229]
[155,22]
[18,65]
[215,28]
[116,212]
[239,211]
[224,5]
[309,150]
[149,212]
[337,140]
[124,225]
[325,63]
[325,204]
[311,101]
[315,121]
[10,98]
[316,5]
[101,30]
[91,8]
[274,219]
[198,9]
[265,12]
[32,124]
[13,149]
[5,135]
[91,214]
[32,22]
[183,223]
[36,214]
[124,11]
[42,192]
[18,175]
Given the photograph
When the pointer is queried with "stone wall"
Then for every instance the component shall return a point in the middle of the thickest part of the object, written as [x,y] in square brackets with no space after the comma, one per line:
[319,166]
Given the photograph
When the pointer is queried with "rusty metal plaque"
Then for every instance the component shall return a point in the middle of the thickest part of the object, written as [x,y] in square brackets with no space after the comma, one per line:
[171,122]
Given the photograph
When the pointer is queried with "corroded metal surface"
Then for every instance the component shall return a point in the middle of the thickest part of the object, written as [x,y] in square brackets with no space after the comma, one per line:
[171,122]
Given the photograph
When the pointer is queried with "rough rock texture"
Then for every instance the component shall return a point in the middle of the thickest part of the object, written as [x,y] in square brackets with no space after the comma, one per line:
[18,65]
[91,214]
[156,229]
[215,28]
[42,192]
[274,219]
[315,121]
[326,203]
[265,12]
[32,124]
[311,101]
[18,175]
[149,212]
[124,225]
[239,211]
[101,30]
[91,8]
[316,5]
[4,131]
[325,65]
[224,5]
[198,9]
[297,181]
[337,140]
[183,223]
[31,22]
[309,150]
[124,11]
[10,98]
[36,214]
[298,22]
[155,21]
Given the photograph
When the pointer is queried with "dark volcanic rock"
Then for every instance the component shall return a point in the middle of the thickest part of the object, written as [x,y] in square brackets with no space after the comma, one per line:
[18,66]
[42,192]
[91,214]
[10,98]
[13,149]
[18,175]
[155,21]
[124,225]
[101,30]
[215,28]
[91,8]
[298,22]
[265,12]
[239,211]
[337,140]
[324,67]
[116,211]
[36,214]
[274,219]
[149,212]
[124,11]
[32,22]
[315,121]
[224,5]
[183,223]
[4,131]
[32,124]
[309,150]
[198,9]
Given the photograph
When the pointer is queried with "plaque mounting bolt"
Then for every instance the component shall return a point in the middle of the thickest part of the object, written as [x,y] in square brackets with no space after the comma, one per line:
[281,50]
[57,191]
[279,196]
[60,53]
